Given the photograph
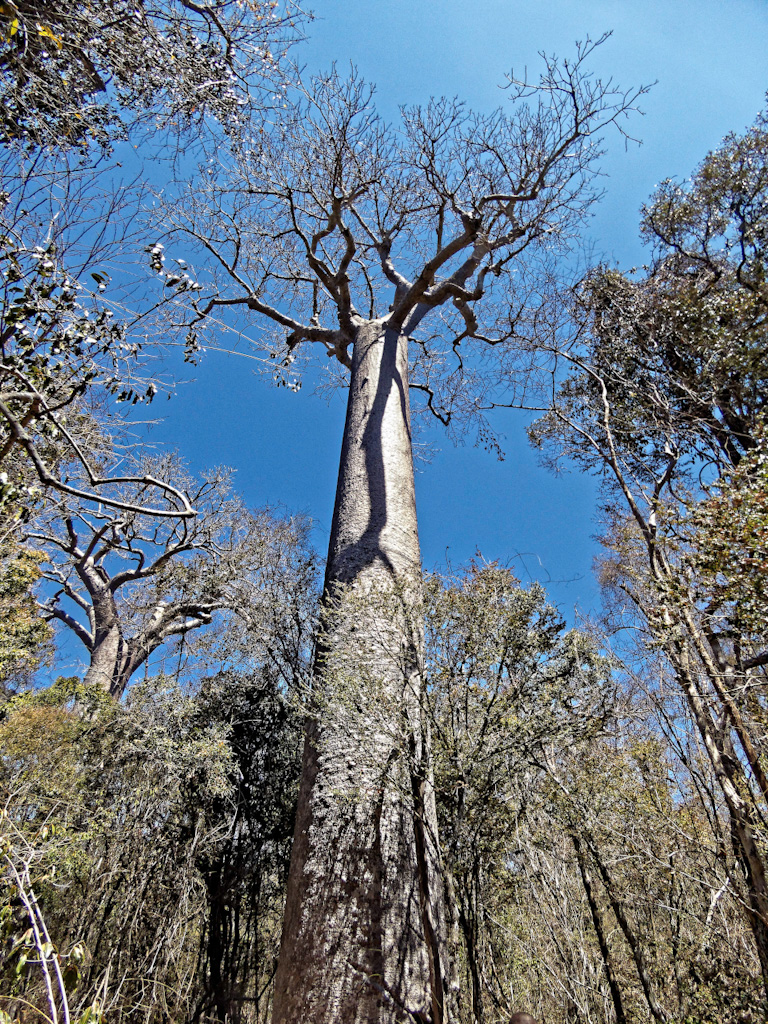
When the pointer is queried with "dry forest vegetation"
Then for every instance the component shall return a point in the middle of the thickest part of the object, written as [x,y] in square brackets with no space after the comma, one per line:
[493,812]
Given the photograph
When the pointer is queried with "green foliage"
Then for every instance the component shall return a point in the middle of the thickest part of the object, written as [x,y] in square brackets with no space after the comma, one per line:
[504,681]
[718,217]
[728,553]
[535,744]
[665,400]
[74,75]
[146,830]
[508,688]
[656,857]
[246,871]
[674,365]
[24,636]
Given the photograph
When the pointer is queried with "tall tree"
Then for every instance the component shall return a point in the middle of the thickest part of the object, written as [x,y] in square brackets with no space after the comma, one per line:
[505,685]
[394,251]
[665,397]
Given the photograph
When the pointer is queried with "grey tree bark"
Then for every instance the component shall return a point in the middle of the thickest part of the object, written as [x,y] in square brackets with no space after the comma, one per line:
[126,583]
[363,930]
[110,665]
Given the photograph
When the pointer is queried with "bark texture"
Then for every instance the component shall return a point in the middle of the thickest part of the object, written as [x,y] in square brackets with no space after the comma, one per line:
[363,933]
[113,660]
[115,657]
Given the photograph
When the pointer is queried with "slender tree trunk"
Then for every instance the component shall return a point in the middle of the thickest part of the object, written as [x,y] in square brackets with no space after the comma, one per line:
[630,935]
[602,940]
[740,801]
[469,922]
[363,932]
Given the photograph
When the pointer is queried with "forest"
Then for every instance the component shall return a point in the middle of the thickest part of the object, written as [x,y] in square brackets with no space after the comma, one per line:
[288,787]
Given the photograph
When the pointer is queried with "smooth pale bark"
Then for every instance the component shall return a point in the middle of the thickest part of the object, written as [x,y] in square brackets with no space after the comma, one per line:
[114,658]
[363,933]
[110,657]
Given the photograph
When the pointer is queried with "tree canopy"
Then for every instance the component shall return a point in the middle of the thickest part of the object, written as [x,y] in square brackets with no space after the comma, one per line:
[664,397]
[79,76]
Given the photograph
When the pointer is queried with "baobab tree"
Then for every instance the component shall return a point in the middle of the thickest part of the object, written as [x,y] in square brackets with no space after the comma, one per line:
[396,251]
[126,582]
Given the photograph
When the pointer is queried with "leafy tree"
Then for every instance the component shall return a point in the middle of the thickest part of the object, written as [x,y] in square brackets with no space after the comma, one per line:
[597,859]
[391,251]
[727,549]
[505,685]
[71,76]
[642,871]
[75,84]
[56,349]
[103,813]
[245,871]
[154,833]
[665,399]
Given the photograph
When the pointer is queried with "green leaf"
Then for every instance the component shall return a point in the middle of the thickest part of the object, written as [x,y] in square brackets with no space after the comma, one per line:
[92,1014]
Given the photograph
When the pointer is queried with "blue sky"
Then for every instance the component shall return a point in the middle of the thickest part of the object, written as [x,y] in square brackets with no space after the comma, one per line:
[708,58]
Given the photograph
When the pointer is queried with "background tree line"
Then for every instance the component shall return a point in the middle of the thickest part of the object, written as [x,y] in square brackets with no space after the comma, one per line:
[601,816]
[588,857]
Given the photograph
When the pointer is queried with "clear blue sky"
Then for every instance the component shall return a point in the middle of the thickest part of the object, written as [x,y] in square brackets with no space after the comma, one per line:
[709,60]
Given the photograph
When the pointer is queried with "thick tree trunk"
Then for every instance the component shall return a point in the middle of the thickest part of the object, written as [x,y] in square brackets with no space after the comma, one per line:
[114,658]
[108,652]
[363,932]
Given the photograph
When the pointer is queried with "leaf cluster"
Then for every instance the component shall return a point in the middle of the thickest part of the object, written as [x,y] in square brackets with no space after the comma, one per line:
[728,553]
[669,369]
[72,76]
[24,636]
[57,346]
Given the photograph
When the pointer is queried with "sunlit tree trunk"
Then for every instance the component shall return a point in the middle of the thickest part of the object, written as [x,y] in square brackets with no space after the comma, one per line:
[109,650]
[113,658]
[363,934]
